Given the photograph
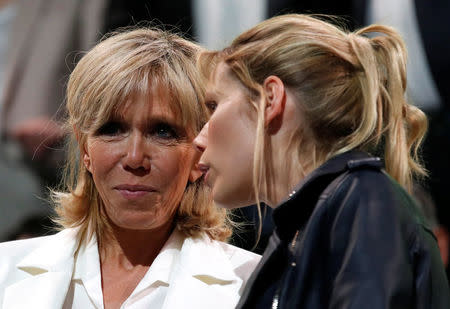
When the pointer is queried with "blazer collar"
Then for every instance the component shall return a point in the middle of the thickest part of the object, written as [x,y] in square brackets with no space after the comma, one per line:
[204,257]
[203,274]
[204,277]
[50,267]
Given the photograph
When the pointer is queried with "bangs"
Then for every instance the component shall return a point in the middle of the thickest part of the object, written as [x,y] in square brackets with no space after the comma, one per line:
[129,65]
[182,95]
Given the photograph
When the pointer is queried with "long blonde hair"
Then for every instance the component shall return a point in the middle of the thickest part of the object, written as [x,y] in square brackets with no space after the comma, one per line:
[118,68]
[350,88]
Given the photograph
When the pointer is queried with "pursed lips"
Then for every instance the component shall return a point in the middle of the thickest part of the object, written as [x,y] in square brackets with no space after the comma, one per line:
[134,191]
[204,168]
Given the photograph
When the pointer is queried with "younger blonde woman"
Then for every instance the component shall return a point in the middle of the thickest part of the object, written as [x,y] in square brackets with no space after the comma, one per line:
[302,110]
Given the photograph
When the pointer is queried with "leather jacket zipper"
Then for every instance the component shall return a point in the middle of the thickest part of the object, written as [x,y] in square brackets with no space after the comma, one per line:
[276,298]
[294,240]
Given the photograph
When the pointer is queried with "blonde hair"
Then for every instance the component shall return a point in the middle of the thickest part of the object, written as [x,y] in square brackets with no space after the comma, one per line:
[117,69]
[350,88]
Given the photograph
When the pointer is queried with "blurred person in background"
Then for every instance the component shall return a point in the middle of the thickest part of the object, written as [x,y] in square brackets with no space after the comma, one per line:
[139,228]
[7,12]
[18,186]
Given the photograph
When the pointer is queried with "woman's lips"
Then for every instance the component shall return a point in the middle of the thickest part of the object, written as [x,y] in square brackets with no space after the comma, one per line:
[204,168]
[134,191]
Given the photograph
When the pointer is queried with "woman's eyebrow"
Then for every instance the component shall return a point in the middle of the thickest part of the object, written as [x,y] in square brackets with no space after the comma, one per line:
[209,95]
[172,120]
[212,92]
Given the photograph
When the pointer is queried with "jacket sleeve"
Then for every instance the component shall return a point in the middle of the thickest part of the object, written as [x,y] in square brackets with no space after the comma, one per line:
[369,249]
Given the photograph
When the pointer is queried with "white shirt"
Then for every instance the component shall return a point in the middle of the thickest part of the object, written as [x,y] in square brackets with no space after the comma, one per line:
[85,291]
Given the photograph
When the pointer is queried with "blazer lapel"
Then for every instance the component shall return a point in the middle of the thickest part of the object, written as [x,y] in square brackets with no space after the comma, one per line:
[50,269]
[45,291]
[204,277]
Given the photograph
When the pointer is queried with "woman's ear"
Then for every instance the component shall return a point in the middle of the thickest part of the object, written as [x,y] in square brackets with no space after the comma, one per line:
[87,161]
[86,157]
[275,102]
[83,151]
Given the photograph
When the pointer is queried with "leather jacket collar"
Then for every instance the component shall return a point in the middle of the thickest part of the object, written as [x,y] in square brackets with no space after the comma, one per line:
[293,213]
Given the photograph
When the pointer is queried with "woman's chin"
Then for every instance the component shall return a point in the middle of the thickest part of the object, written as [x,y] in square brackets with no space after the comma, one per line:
[141,222]
[226,205]
[231,202]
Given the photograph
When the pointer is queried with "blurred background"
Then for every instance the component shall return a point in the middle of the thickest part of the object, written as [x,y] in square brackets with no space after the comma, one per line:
[41,41]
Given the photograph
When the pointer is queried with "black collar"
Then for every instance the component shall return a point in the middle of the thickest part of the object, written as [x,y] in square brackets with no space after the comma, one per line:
[293,213]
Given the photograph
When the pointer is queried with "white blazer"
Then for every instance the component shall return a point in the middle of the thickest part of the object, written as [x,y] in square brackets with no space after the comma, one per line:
[36,273]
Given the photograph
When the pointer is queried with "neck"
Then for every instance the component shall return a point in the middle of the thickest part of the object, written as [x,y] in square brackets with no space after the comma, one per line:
[287,165]
[287,174]
[127,248]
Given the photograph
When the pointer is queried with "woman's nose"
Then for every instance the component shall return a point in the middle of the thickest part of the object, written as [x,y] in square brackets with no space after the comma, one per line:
[137,157]
[201,140]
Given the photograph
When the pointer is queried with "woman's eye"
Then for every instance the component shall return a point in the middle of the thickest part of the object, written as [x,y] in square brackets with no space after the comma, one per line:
[211,105]
[164,131]
[110,128]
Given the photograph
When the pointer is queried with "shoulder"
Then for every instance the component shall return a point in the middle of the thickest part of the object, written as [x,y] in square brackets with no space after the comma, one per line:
[372,198]
[235,254]
[243,261]
[208,273]
[36,265]
[373,222]
[238,255]
[361,186]
[220,255]
[14,252]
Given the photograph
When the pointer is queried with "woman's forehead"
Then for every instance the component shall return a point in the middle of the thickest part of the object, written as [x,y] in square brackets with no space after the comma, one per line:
[168,97]
[218,78]
[222,81]
[221,71]
[158,104]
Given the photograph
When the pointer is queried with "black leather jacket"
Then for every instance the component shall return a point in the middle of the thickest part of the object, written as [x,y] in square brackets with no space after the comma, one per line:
[349,237]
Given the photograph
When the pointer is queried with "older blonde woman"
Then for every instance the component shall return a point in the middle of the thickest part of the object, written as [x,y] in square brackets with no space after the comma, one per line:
[139,227]
[301,110]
